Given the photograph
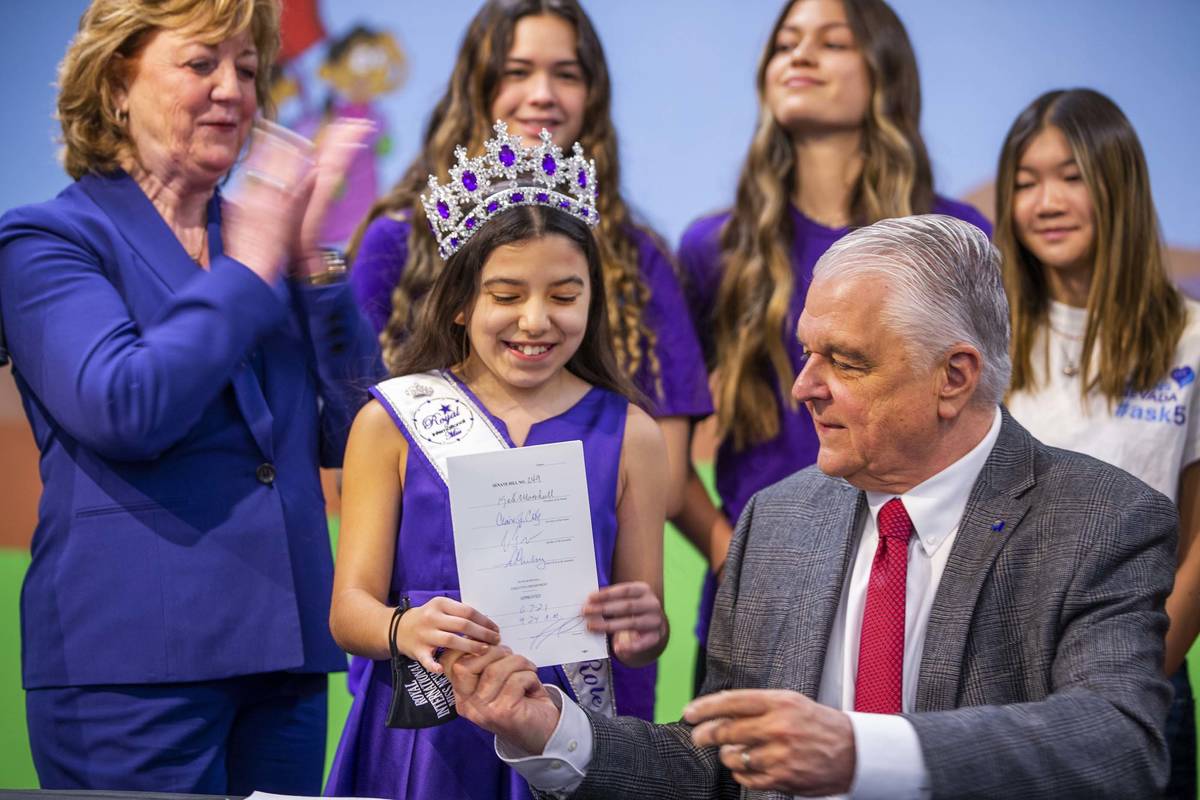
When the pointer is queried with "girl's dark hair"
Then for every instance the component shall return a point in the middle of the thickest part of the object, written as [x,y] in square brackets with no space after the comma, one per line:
[437,341]
[1135,315]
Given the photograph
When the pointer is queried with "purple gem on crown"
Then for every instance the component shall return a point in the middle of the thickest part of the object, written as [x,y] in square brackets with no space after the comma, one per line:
[443,209]
[582,179]
[507,156]
[549,166]
[518,197]
[583,212]
[564,204]
[454,241]
[468,181]
[470,223]
[492,207]
[542,197]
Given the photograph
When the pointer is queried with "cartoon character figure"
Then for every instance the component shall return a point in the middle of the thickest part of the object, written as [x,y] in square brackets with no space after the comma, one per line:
[359,67]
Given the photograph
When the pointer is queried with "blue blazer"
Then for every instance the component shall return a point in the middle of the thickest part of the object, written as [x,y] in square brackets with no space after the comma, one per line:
[181,416]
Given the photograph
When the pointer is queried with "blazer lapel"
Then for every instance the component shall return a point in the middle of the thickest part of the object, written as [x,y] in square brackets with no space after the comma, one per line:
[832,547]
[151,238]
[993,512]
[142,226]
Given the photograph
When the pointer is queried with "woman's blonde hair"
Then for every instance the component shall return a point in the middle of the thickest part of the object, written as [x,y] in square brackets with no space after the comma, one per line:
[463,116]
[110,37]
[754,299]
[1135,315]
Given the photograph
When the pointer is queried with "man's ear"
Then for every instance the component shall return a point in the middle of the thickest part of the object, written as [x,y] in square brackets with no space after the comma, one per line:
[958,380]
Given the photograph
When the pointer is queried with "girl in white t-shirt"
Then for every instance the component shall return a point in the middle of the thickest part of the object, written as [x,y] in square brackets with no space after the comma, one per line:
[1106,351]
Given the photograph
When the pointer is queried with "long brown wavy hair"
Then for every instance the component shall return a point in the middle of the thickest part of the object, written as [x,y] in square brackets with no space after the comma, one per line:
[757,283]
[438,341]
[463,116]
[1135,315]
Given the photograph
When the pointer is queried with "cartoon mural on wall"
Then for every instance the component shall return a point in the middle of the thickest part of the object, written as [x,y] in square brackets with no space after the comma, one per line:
[353,71]
[359,67]
[319,77]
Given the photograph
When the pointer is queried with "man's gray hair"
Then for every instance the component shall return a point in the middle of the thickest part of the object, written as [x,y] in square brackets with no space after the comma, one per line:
[944,285]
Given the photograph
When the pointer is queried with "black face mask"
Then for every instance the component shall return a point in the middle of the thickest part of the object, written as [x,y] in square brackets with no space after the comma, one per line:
[420,699]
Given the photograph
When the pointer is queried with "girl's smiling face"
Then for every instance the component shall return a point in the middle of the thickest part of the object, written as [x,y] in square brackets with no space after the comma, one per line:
[543,84]
[1052,206]
[817,77]
[530,313]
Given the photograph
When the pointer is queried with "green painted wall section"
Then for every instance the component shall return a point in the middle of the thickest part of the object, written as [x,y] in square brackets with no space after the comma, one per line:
[16,766]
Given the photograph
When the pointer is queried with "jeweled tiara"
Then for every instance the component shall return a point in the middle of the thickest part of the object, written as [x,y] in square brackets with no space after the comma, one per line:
[508,174]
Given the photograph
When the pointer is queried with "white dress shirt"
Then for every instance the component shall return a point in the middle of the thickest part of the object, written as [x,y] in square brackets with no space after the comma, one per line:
[888,760]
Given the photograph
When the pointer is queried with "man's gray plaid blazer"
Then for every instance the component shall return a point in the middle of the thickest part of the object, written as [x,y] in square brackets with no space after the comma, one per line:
[1042,669]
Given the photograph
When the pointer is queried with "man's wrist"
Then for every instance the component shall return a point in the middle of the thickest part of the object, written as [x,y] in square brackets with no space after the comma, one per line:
[888,762]
[560,765]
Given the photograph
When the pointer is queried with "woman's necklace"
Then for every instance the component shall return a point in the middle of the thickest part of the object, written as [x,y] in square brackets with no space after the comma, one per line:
[1067,343]
[198,256]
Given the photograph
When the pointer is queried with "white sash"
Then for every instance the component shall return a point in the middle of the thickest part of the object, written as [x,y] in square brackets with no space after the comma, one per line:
[440,417]
[444,421]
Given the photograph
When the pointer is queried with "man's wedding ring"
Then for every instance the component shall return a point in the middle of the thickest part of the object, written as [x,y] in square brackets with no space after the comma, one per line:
[746,760]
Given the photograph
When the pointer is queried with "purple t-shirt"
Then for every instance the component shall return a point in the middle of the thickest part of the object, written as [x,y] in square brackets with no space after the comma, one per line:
[383,254]
[741,473]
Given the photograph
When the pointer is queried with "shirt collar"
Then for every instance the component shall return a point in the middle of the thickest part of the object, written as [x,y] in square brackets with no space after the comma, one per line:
[936,505]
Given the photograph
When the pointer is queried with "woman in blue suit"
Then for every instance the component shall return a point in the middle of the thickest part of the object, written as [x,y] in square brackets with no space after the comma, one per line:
[186,364]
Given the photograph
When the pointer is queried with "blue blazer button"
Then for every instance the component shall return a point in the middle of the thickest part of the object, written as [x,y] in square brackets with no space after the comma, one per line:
[265,474]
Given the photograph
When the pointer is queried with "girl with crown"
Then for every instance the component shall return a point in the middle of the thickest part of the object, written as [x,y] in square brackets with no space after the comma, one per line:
[539,64]
[837,145]
[1105,349]
[514,339]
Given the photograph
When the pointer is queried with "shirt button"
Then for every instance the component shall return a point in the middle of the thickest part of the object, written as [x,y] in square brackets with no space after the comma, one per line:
[572,746]
[265,474]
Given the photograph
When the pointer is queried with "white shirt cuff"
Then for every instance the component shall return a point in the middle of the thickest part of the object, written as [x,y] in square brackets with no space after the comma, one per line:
[561,766]
[889,764]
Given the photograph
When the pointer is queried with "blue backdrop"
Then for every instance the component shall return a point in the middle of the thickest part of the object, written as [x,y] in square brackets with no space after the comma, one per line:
[683,87]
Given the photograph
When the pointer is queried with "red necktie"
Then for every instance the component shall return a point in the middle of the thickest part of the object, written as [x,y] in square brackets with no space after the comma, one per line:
[878,687]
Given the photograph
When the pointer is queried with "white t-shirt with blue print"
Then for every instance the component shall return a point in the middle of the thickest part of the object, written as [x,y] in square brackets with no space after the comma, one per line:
[1153,435]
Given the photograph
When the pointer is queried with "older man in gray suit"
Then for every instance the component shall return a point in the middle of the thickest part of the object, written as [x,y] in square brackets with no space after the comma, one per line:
[944,607]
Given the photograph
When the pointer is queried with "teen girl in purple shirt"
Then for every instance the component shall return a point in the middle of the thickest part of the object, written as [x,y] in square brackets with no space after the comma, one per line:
[837,145]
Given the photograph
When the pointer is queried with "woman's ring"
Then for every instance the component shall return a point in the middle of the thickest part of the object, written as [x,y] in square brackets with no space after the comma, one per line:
[746,760]
[269,180]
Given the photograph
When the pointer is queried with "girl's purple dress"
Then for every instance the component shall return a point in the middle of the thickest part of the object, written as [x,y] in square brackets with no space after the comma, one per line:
[682,386]
[457,759]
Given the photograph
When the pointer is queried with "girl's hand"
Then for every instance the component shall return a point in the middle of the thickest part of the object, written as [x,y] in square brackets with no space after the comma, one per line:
[632,615]
[446,624]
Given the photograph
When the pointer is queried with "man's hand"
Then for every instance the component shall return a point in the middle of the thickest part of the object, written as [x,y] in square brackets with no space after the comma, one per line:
[776,740]
[500,692]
